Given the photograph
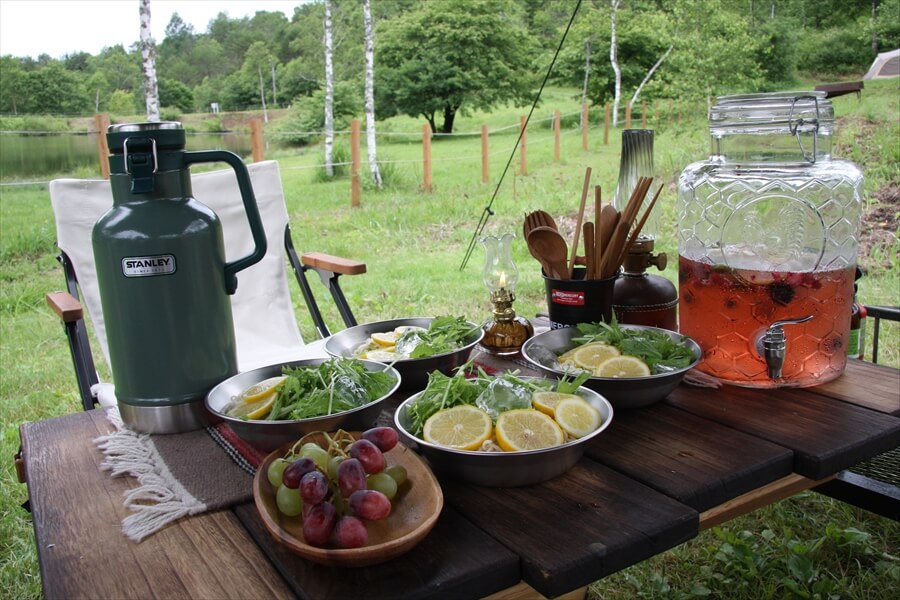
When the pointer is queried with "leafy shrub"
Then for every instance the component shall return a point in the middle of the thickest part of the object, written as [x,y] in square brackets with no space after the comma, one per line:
[306,119]
[169,113]
[835,51]
[33,123]
[340,158]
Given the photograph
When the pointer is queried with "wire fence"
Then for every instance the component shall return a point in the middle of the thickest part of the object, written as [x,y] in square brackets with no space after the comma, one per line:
[659,115]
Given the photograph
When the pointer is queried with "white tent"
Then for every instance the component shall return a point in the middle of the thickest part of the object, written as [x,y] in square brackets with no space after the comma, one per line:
[886,64]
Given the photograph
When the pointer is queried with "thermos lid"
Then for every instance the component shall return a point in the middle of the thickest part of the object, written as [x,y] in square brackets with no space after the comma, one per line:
[166,135]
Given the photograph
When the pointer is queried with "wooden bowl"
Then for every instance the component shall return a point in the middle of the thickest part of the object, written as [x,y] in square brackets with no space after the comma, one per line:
[415,510]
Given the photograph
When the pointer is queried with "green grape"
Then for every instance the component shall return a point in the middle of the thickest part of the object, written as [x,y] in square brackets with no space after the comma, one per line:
[333,463]
[315,452]
[276,469]
[398,472]
[383,483]
[289,501]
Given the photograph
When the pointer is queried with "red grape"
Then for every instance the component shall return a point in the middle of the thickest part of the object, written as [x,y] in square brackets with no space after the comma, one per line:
[314,487]
[370,504]
[296,470]
[319,523]
[351,532]
[369,455]
[351,477]
[383,437]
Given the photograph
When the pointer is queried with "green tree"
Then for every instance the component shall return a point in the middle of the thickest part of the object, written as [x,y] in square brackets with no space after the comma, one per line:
[122,103]
[12,76]
[53,89]
[173,93]
[443,59]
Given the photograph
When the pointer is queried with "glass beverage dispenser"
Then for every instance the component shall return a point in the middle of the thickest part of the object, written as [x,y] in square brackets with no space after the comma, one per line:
[767,242]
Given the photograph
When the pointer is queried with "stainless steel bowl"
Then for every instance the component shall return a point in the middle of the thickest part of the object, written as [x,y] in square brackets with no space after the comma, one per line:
[504,469]
[270,435]
[414,371]
[622,393]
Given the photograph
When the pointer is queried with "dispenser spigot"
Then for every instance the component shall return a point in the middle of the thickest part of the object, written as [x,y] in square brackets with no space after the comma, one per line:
[772,345]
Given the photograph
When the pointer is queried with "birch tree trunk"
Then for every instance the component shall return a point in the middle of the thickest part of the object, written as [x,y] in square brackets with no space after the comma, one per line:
[274,92]
[148,64]
[613,58]
[329,94]
[587,72]
[370,94]
[262,95]
[637,92]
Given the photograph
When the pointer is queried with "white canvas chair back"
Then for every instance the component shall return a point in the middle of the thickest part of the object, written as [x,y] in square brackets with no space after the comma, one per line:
[265,324]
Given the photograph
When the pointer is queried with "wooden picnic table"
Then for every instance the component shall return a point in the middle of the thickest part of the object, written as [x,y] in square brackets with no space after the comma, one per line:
[654,479]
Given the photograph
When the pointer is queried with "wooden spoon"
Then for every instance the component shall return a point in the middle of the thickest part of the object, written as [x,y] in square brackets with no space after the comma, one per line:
[551,248]
[538,218]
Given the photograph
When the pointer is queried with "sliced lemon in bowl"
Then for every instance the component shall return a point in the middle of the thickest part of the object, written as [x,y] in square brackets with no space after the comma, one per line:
[590,356]
[263,389]
[546,401]
[463,427]
[527,429]
[252,410]
[385,355]
[577,417]
[623,366]
[387,339]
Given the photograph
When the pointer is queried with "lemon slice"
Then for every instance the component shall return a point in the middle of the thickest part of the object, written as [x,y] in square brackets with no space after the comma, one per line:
[590,356]
[577,417]
[546,401]
[527,429]
[381,355]
[263,389]
[387,340]
[623,366]
[464,427]
[252,410]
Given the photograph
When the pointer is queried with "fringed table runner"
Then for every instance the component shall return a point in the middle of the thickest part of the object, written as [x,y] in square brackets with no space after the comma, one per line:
[178,475]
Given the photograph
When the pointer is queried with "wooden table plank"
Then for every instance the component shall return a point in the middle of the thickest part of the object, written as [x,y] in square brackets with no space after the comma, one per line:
[578,527]
[826,435]
[77,511]
[455,560]
[880,387]
[696,461]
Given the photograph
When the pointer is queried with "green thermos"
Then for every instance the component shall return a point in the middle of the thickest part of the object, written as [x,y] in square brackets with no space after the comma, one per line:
[164,280]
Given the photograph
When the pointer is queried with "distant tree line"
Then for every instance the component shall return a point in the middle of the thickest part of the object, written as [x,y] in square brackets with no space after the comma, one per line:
[437,59]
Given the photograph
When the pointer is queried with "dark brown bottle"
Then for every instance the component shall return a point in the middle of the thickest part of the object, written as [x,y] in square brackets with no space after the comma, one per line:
[641,298]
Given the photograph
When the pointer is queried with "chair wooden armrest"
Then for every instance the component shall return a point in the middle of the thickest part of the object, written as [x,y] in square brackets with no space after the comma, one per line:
[336,264]
[66,306]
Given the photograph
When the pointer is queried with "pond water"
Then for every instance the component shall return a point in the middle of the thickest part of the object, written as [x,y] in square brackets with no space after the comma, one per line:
[40,156]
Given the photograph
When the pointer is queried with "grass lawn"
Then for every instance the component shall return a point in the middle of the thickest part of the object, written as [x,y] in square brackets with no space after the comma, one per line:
[413,244]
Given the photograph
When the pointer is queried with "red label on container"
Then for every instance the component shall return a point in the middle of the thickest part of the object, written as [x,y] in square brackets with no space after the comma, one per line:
[567,297]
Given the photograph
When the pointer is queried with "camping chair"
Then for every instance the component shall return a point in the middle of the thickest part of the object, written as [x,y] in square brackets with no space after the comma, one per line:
[265,324]
[873,484]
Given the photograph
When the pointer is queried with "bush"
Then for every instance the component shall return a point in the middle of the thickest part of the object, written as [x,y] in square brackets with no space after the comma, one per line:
[306,120]
[170,113]
[340,158]
[835,51]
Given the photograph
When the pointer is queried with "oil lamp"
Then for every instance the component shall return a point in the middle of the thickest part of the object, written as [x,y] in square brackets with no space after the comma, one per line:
[505,332]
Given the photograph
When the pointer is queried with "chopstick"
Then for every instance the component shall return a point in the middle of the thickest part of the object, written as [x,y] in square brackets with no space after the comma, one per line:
[584,193]
[597,250]
[612,259]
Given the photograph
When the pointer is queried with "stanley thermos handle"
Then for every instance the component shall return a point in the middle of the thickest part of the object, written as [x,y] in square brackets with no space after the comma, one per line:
[256,227]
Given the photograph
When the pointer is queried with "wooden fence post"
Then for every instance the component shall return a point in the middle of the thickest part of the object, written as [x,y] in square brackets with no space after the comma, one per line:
[656,114]
[102,122]
[355,190]
[556,135]
[584,126]
[523,149]
[256,140]
[606,125]
[643,115]
[484,154]
[426,151]
[628,115]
